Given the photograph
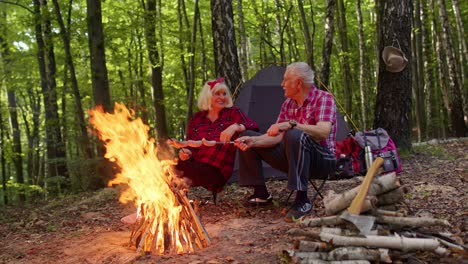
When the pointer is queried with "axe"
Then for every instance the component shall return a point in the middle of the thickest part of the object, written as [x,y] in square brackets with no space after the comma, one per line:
[363,222]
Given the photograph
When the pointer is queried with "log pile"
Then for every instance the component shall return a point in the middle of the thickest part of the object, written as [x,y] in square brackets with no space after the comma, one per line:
[334,238]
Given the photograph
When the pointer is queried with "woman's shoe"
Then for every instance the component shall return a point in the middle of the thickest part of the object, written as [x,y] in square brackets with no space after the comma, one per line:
[258,201]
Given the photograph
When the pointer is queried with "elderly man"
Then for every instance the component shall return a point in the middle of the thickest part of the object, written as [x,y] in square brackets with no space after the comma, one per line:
[301,142]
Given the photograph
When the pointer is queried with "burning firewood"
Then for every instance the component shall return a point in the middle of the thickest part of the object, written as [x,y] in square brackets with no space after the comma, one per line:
[165,222]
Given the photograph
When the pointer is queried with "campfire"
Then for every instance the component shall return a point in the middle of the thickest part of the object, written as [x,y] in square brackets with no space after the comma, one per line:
[166,222]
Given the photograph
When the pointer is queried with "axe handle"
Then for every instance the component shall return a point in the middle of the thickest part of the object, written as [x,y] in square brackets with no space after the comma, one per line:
[358,201]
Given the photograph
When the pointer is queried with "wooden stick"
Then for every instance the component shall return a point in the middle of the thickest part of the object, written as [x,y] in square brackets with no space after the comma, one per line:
[401,243]
[199,227]
[321,257]
[356,205]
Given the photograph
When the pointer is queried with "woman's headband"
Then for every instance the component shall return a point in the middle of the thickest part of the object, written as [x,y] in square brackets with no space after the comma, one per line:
[213,83]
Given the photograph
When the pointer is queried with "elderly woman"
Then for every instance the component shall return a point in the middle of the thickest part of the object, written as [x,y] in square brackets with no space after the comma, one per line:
[211,165]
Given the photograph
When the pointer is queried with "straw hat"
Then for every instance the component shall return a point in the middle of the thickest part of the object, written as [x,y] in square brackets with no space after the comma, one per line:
[394,58]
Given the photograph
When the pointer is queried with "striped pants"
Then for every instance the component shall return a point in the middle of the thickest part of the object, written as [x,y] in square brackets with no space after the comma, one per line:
[297,155]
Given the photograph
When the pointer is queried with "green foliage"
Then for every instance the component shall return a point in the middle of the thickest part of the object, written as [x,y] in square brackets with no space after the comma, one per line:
[433,150]
[15,189]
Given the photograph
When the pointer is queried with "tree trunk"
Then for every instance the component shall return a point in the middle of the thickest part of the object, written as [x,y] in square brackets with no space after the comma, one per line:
[243,43]
[463,53]
[203,50]
[428,71]
[224,42]
[394,114]
[183,28]
[279,31]
[156,69]
[456,105]
[441,72]
[362,66]
[308,40]
[64,33]
[17,155]
[417,76]
[99,76]
[55,152]
[2,158]
[327,43]
[347,79]
[192,66]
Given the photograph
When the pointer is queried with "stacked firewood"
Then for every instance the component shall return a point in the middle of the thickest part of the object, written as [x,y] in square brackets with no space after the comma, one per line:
[341,237]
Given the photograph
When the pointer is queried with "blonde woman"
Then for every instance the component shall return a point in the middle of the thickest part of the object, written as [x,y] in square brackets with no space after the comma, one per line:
[218,120]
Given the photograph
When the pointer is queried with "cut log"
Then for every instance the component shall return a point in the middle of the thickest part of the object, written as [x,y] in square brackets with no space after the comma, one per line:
[390,207]
[354,232]
[322,221]
[392,197]
[311,246]
[360,253]
[380,212]
[380,185]
[411,221]
[343,254]
[400,243]
[318,258]
[298,232]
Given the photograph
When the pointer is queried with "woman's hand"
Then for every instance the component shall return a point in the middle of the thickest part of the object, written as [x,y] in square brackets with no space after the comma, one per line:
[227,133]
[185,154]
[176,144]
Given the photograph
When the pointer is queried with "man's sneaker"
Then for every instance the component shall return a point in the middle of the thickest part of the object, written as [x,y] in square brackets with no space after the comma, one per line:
[298,210]
[253,201]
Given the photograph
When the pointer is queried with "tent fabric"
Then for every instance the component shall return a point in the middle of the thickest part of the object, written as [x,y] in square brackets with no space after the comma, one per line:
[261,98]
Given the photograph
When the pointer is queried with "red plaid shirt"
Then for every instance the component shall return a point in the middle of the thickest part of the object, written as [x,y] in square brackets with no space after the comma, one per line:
[221,155]
[318,106]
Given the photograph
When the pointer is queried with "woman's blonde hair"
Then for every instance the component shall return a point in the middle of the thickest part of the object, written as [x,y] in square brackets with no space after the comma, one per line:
[211,87]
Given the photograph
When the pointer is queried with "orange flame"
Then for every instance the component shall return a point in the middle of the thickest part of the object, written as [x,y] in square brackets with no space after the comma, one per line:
[149,179]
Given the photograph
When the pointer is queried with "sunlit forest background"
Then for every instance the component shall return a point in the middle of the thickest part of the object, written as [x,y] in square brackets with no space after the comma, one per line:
[59,58]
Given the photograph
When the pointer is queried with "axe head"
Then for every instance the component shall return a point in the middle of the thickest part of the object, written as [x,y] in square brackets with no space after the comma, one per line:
[362,222]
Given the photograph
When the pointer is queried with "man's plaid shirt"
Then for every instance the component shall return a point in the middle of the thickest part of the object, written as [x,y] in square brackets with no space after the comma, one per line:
[318,106]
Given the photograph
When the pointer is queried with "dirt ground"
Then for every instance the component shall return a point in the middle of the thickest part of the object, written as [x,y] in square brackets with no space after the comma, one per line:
[86,228]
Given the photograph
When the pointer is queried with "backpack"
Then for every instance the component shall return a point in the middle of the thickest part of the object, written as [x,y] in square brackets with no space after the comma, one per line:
[381,146]
[347,155]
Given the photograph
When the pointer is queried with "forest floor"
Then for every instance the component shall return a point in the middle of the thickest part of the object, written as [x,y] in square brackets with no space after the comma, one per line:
[86,228]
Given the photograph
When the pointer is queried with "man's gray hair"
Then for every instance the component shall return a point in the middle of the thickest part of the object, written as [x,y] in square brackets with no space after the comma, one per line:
[303,71]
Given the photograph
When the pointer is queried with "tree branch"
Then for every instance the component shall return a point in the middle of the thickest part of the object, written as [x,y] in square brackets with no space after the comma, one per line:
[17,4]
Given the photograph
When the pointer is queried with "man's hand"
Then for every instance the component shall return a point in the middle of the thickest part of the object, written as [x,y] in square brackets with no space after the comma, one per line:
[275,129]
[244,143]
[185,154]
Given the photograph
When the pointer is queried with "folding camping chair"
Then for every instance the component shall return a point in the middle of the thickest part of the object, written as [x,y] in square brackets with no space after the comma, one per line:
[328,177]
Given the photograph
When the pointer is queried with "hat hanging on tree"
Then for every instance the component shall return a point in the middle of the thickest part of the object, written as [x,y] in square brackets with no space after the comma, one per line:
[394,58]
